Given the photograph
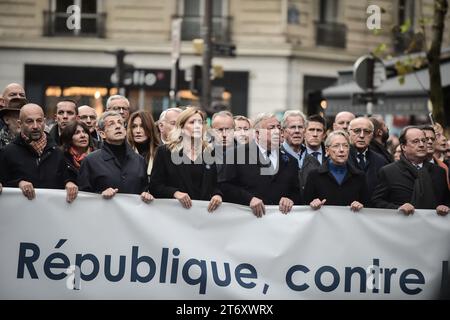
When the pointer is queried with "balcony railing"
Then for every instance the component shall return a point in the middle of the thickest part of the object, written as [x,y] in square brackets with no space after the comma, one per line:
[92,25]
[191,28]
[331,34]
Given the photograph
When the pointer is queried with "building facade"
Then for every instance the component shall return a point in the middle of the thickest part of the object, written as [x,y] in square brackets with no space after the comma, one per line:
[287,50]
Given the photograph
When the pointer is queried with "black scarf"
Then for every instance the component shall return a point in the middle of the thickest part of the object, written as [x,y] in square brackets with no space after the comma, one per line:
[423,193]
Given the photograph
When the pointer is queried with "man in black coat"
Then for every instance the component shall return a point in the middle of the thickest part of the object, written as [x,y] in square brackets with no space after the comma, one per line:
[115,167]
[33,160]
[262,173]
[412,183]
[361,156]
[66,112]
[380,137]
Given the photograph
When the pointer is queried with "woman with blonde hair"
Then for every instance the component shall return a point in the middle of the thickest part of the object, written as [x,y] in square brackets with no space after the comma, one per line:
[143,137]
[182,168]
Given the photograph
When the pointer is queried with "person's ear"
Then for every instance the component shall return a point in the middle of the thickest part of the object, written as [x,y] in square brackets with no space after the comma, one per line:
[102,134]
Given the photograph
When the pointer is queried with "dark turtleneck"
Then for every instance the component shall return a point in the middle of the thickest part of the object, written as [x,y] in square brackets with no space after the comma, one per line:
[119,151]
[142,148]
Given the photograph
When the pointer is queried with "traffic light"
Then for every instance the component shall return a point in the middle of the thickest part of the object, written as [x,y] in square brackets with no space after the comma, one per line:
[123,70]
[195,84]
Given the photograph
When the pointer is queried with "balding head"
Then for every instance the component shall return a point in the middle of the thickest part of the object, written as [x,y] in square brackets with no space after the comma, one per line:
[32,121]
[12,90]
[88,116]
[361,133]
[342,120]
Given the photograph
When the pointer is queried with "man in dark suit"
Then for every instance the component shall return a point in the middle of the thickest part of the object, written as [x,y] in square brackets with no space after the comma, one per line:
[115,167]
[361,156]
[66,112]
[262,173]
[412,182]
[33,160]
[380,137]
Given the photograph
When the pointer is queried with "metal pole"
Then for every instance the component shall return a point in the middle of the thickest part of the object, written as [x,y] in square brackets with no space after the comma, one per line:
[174,83]
[207,55]
[120,56]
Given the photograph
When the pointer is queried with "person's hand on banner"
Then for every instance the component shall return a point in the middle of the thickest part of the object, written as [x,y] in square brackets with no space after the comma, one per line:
[214,203]
[72,191]
[356,206]
[146,197]
[184,199]
[109,193]
[257,206]
[317,203]
[442,210]
[27,189]
[407,209]
[285,205]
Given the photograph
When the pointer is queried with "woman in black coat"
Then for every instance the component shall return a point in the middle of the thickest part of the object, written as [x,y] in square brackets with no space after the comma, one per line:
[76,144]
[337,182]
[183,168]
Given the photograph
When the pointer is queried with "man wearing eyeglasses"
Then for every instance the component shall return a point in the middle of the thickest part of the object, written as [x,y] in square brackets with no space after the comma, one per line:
[88,116]
[121,105]
[361,156]
[412,182]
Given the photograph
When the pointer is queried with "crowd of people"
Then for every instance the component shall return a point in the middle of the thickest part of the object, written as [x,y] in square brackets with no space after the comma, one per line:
[291,161]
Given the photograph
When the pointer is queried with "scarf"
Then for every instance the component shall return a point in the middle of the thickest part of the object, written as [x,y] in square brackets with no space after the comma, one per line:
[38,145]
[423,192]
[78,157]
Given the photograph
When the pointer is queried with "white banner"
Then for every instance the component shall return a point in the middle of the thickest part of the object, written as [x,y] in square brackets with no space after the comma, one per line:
[126,249]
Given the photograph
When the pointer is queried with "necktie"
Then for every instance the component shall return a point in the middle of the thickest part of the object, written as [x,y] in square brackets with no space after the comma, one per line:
[418,167]
[316,155]
[362,161]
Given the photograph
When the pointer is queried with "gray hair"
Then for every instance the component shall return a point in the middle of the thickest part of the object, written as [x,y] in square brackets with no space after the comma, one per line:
[115,97]
[102,119]
[163,114]
[261,117]
[336,133]
[292,113]
[223,113]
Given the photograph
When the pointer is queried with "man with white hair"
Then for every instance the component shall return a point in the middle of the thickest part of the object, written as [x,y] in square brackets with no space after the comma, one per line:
[167,121]
[261,172]
[121,105]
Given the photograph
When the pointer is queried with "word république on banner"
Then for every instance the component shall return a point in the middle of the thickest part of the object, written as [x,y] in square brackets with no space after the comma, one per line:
[126,249]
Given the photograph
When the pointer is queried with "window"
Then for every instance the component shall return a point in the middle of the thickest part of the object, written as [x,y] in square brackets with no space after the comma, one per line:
[92,21]
[329,32]
[405,40]
[192,13]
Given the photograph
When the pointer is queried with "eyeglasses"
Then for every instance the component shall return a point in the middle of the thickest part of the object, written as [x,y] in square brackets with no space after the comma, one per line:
[338,146]
[359,130]
[118,108]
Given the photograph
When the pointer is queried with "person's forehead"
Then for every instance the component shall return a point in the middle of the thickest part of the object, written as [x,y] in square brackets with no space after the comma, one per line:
[86,111]
[66,105]
[119,102]
[337,138]
[360,123]
[414,133]
[223,121]
[271,121]
[171,115]
[344,117]
[14,89]
[315,125]
[429,133]
[242,123]
[294,120]
[112,119]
